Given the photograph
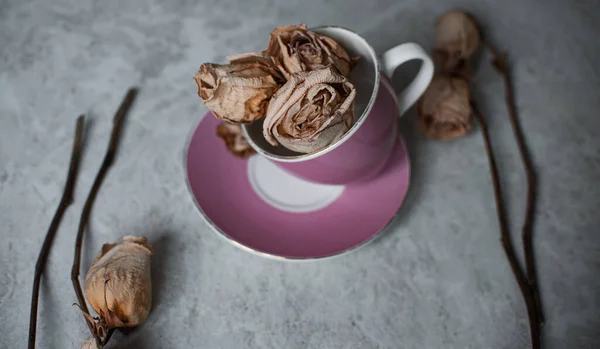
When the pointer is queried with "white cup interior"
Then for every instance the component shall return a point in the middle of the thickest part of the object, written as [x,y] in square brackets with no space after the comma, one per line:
[364,76]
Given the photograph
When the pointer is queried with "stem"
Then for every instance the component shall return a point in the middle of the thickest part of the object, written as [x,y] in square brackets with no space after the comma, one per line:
[87,208]
[65,202]
[500,64]
[524,286]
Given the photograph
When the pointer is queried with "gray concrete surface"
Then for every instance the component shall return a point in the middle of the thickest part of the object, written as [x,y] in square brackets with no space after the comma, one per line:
[437,279]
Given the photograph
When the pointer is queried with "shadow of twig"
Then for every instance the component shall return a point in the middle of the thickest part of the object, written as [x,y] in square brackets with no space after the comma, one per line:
[47,308]
[165,247]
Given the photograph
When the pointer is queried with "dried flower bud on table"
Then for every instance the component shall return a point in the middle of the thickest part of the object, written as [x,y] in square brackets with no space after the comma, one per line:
[457,39]
[234,139]
[294,48]
[311,111]
[240,91]
[444,110]
[118,285]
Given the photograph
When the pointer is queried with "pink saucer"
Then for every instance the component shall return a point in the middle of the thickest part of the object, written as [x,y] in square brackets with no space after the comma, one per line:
[221,186]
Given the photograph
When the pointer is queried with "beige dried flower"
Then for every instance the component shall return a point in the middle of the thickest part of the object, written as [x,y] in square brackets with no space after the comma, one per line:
[238,92]
[444,110]
[118,285]
[311,111]
[234,139]
[294,48]
[457,39]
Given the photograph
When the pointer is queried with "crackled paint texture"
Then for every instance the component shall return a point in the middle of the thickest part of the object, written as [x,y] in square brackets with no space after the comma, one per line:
[437,279]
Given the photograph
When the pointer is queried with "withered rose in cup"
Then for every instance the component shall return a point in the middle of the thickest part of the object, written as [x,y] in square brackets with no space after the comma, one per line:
[311,111]
[294,48]
[300,83]
[240,91]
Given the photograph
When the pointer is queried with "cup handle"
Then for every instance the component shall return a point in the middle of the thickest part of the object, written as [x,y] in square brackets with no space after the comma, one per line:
[401,54]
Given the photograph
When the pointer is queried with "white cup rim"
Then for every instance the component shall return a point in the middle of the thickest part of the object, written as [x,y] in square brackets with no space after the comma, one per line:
[361,120]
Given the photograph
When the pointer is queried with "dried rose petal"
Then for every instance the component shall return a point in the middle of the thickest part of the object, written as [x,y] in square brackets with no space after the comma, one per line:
[444,110]
[294,48]
[238,92]
[90,343]
[457,39]
[234,139]
[118,285]
[311,111]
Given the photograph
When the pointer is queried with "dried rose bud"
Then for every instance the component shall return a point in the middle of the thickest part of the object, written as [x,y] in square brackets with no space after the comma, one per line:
[294,48]
[234,139]
[457,39]
[444,110]
[118,286]
[240,91]
[311,111]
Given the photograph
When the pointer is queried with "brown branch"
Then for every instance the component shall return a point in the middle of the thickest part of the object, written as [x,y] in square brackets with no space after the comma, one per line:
[65,202]
[87,208]
[524,286]
[500,63]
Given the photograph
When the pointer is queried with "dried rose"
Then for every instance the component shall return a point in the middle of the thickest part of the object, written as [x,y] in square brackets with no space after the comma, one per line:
[444,110]
[118,286]
[311,111]
[234,139]
[457,39]
[294,48]
[240,91]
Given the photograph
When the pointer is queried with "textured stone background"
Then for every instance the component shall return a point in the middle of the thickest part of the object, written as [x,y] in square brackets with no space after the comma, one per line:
[438,279]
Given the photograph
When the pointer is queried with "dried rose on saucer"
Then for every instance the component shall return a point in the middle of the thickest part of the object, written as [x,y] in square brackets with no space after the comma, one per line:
[238,92]
[457,39]
[118,284]
[294,48]
[444,110]
[311,111]
[234,139]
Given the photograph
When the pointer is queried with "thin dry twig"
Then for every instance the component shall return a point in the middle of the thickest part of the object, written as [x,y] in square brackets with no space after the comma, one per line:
[65,202]
[500,63]
[118,120]
[524,286]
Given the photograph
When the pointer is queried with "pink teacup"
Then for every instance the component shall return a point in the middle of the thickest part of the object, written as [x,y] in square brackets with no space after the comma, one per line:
[364,150]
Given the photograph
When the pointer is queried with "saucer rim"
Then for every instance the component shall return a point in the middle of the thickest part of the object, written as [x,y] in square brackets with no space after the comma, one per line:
[216,230]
